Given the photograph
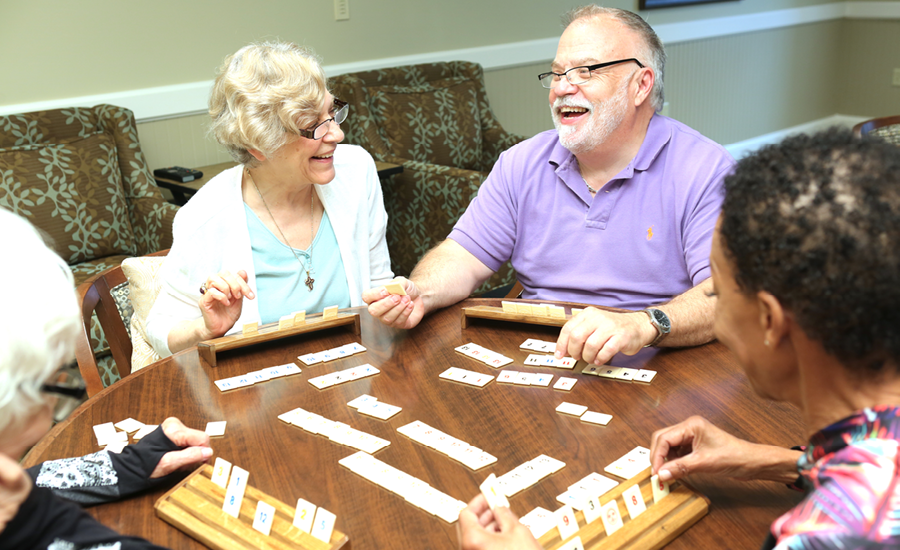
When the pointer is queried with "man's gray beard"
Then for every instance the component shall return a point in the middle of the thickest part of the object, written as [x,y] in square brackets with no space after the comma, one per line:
[605,117]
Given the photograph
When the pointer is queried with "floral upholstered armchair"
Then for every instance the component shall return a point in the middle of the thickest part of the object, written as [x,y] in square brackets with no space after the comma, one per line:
[435,120]
[79,175]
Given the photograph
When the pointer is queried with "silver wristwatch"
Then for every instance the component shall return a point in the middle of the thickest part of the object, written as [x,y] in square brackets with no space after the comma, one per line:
[660,322]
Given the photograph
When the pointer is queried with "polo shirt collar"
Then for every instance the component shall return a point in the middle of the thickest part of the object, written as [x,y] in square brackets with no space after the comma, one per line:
[658,135]
[560,157]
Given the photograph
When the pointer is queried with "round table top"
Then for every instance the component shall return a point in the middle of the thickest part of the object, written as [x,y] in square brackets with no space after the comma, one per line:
[513,423]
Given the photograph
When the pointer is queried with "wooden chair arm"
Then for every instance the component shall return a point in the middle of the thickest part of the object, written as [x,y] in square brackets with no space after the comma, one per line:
[867,126]
[84,353]
[516,290]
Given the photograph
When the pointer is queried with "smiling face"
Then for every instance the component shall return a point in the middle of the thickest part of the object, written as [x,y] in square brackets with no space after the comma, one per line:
[586,115]
[306,160]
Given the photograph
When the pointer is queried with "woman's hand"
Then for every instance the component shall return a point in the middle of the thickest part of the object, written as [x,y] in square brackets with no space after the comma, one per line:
[697,446]
[196,451]
[221,303]
[393,310]
[15,486]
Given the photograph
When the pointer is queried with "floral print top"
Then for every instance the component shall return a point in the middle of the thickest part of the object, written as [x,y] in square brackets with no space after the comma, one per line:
[850,473]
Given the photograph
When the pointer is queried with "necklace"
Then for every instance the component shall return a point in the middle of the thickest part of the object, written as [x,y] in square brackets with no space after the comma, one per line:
[586,184]
[309,280]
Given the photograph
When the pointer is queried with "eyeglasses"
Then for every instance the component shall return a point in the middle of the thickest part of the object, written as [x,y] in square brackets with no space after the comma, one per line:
[340,110]
[579,75]
[70,391]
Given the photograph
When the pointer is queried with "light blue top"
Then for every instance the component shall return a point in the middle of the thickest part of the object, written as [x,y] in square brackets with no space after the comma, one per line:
[281,282]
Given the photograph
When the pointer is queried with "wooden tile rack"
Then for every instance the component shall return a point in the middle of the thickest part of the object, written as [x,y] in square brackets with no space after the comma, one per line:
[194,506]
[651,530]
[208,349]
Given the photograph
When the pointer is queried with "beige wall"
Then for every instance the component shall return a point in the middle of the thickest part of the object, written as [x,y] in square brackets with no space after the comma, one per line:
[870,53]
[730,88]
[181,141]
[59,48]
[738,87]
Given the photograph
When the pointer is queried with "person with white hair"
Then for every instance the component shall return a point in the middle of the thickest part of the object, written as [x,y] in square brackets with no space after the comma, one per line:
[298,225]
[615,207]
[38,330]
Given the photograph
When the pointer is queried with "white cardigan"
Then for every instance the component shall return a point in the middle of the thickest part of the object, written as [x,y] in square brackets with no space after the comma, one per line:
[210,235]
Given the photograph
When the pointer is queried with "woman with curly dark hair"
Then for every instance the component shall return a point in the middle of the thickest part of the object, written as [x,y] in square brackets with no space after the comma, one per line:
[805,263]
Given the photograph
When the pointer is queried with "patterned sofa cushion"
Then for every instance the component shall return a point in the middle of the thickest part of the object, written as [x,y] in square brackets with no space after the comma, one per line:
[73,192]
[435,122]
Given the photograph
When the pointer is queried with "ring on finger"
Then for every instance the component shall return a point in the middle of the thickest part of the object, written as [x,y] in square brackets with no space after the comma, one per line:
[203,289]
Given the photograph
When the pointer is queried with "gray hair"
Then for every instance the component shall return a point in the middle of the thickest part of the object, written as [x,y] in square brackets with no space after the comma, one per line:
[654,54]
[41,321]
[264,93]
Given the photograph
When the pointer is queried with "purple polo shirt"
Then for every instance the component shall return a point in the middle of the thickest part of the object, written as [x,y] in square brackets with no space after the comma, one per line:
[642,240]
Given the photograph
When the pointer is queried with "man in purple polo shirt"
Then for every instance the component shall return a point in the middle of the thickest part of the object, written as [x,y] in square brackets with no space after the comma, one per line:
[614,207]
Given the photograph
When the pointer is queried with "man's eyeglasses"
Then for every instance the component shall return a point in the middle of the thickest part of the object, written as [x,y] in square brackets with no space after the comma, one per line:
[340,110]
[579,75]
[69,390]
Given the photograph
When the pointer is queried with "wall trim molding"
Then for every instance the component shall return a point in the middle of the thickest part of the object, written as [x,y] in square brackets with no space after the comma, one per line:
[178,100]
[747,146]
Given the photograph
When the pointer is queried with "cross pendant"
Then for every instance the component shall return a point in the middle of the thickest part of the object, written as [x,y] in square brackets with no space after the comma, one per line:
[309,281]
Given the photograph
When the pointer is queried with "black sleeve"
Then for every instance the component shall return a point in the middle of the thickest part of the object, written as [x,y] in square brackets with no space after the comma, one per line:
[46,521]
[104,476]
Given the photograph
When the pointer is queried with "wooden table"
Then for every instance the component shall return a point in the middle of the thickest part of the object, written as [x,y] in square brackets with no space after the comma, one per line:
[514,423]
[181,192]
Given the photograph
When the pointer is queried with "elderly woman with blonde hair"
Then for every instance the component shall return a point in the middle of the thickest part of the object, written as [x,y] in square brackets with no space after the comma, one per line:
[299,225]
[38,507]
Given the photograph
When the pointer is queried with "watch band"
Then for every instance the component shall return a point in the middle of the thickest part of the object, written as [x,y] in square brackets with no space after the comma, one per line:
[660,322]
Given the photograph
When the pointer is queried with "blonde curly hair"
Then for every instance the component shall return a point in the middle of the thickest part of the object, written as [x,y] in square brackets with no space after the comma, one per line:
[262,95]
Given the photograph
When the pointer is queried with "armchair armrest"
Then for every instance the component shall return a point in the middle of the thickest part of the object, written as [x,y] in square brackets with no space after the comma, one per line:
[494,141]
[423,204]
[151,220]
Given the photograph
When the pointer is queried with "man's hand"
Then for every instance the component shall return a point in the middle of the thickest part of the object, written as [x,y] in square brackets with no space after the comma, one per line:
[697,446]
[197,449]
[393,310]
[595,335]
[479,528]
[15,486]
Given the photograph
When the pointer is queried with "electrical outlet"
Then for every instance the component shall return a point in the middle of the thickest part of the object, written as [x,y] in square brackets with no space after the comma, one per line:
[896,80]
[341,10]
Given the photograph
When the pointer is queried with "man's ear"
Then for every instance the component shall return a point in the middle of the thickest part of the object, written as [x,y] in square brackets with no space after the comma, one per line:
[645,82]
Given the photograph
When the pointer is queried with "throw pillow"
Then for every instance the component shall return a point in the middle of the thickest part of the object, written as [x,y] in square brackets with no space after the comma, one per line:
[142,274]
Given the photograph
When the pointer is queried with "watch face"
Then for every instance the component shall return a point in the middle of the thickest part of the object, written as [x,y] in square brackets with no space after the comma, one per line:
[662,319]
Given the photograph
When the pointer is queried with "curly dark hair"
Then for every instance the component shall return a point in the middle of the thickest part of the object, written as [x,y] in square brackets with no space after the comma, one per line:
[815,221]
